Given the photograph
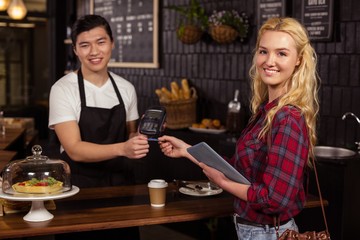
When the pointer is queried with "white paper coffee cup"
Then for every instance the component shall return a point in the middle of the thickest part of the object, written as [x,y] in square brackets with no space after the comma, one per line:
[157,192]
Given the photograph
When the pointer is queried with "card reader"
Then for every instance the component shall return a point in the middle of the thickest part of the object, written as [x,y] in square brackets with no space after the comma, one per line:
[151,123]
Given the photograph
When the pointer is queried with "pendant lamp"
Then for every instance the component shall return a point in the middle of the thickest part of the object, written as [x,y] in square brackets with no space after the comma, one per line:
[17,9]
[4,4]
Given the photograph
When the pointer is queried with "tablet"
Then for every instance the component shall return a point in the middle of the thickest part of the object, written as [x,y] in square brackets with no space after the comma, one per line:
[204,153]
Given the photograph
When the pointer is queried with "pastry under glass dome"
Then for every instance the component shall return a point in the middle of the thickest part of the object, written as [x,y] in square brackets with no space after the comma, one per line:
[20,176]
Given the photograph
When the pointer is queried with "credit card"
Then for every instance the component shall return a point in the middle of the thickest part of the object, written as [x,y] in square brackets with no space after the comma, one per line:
[153,139]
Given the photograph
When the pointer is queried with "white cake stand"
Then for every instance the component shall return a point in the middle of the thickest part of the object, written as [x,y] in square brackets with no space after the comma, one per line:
[38,212]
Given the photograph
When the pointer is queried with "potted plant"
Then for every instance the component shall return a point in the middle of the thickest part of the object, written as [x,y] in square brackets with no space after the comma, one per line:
[226,26]
[193,23]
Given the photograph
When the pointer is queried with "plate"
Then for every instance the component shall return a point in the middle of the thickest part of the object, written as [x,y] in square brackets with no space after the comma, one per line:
[38,212]
[36,197]
[206,130]
[205,191]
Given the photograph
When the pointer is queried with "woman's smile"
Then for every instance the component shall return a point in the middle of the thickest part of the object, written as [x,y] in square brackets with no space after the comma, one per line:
[270,72]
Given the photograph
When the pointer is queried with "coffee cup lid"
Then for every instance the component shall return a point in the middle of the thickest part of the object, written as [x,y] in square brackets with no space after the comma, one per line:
[157,183]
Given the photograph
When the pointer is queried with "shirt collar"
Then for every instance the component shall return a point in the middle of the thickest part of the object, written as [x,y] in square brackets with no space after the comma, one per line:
[266,106]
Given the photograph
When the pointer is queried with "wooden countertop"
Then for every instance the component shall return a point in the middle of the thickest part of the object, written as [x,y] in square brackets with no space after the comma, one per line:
[6,157]
[119,207]
[10,137]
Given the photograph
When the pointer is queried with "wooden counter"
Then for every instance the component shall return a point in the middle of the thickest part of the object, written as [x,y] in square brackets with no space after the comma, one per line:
[14,140]
[6,157]
[119,207]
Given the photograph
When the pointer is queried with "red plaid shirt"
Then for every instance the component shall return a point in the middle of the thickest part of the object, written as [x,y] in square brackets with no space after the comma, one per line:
[277,174]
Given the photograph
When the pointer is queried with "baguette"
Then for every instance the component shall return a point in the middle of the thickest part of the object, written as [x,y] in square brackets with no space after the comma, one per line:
[186,89]
[158,92]
[181,94]
[175,90]
[166,93]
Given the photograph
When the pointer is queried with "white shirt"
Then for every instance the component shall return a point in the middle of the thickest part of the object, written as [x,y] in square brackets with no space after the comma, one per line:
[65,103]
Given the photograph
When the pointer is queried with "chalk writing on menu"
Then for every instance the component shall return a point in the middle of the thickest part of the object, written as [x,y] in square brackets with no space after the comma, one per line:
[270,8]
[317,17]
[132,23]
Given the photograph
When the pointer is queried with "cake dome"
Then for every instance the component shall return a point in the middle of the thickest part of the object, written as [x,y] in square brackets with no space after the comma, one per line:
[36,174]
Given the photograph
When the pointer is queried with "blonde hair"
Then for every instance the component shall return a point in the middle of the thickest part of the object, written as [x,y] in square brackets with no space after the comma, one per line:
[302,89]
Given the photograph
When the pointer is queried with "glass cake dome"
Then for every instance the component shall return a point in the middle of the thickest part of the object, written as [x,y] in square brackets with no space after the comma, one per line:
[36,174]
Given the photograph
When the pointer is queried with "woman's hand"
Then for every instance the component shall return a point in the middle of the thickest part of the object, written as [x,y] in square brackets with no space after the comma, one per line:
[213,174]
[173,147]
[136,147]
[237,189]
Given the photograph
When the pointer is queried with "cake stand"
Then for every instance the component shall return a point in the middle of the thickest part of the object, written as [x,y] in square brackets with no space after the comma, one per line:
[38,212]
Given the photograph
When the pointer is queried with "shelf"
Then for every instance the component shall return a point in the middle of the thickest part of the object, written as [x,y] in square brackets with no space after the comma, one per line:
[68,41]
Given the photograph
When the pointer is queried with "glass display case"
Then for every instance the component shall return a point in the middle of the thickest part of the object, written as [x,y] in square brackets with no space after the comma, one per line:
[36,174]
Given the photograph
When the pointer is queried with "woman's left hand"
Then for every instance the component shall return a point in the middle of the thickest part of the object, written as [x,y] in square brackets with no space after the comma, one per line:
[213,174]
[237,189]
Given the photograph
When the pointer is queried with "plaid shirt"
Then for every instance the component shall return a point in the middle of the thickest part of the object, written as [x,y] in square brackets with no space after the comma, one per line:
[276,174]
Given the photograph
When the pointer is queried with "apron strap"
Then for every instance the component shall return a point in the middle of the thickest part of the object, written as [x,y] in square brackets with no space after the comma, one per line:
[81,88]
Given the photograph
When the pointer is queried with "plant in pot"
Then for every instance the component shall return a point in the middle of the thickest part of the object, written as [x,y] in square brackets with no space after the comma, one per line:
[226,26]
[193,23]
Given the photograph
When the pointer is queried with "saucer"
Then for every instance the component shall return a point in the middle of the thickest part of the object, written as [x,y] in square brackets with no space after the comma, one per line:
[205,191]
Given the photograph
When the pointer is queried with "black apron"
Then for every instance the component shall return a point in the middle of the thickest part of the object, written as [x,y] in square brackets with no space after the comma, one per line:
[101,126]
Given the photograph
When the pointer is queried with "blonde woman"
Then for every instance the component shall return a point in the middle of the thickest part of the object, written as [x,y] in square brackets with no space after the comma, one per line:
[273,151]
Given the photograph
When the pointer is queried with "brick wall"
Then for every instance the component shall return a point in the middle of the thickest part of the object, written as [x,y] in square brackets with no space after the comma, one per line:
[217,70]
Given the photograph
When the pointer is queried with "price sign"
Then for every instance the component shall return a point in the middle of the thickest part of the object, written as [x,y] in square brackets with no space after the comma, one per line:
[269,9]
[317,17]
[134,24]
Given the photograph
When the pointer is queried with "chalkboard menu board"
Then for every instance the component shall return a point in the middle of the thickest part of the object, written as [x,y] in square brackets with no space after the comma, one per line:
[134,24]
[317,17]
[269,9]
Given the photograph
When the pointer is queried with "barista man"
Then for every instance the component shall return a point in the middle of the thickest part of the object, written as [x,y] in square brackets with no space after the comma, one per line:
[94,113]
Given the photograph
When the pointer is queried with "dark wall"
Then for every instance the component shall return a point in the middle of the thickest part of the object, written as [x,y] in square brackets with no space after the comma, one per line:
[217,70]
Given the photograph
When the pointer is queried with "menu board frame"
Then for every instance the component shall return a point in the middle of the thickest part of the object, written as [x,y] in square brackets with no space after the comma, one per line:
[271,9]
[316,22]
[155,40]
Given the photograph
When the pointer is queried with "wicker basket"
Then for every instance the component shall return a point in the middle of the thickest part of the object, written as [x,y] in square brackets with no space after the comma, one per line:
[180,113]
[223,33]
[189,34]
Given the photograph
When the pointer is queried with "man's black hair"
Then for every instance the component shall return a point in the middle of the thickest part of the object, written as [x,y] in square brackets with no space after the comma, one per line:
[88,22]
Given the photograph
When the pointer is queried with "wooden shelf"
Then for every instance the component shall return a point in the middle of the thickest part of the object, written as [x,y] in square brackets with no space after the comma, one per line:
[68,41]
